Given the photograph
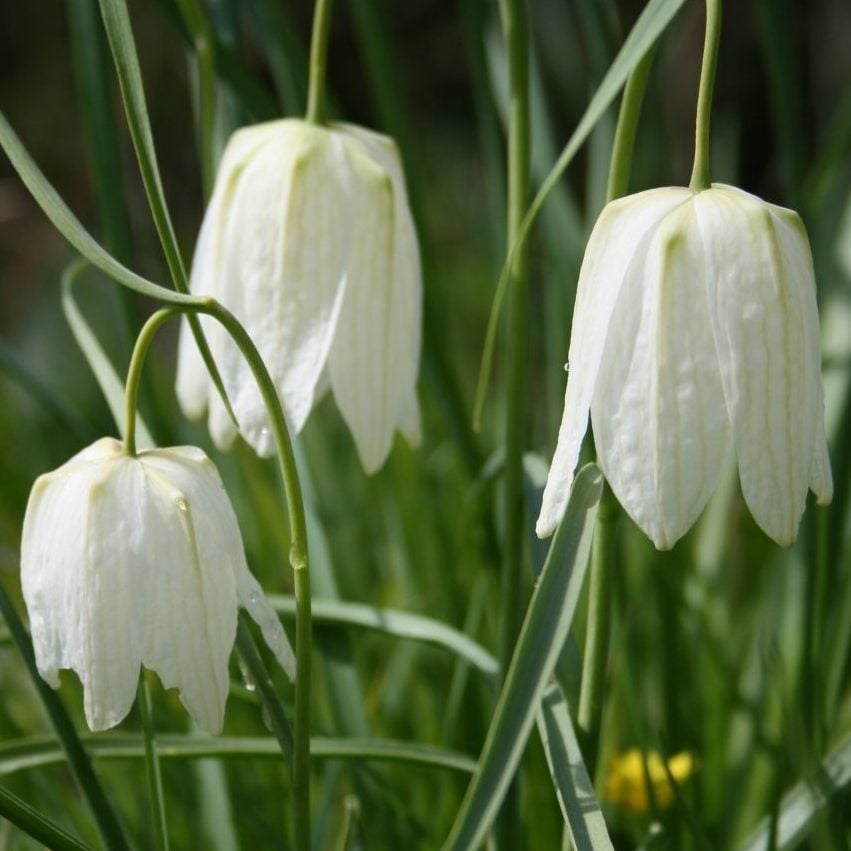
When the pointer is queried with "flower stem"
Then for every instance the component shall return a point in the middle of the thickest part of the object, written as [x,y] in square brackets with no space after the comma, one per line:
[516,30]
[298,527]
[134,374]
[152,766]
[318,60]
[700,171]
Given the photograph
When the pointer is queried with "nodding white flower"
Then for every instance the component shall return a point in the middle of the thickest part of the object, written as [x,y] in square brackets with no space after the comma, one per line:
[139,561]
[696,330]
[308,239]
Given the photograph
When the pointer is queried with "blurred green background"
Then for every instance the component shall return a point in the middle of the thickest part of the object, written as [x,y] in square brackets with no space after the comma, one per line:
[727,647]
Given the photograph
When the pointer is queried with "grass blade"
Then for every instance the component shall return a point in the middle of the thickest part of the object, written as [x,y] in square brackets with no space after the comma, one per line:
[652,22]
[573,786]
[397,623]
[120,35]
[40,750]
[34,824]
[78,760]
[544,631]
[804,802]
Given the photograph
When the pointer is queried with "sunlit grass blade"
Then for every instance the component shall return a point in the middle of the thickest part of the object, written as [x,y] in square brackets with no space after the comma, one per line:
[72,749]
[805,801]
[39,751]
[397,623]
[542,636]
[570,777]
[110,384]
[120,35]
[654,19]
[34,824]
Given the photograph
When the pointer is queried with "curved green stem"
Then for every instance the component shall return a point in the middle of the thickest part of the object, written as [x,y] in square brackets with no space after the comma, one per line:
[298,527]
[700,171]
[134,373]
[152,765]
[318,60]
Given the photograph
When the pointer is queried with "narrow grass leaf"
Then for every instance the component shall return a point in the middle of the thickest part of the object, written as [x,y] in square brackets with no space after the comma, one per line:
[72,748]
[651,23]
[107,378]
[542,636]
[573,786]
[116,20]
[34,824]
[397,623]
[38,751]
[804,802]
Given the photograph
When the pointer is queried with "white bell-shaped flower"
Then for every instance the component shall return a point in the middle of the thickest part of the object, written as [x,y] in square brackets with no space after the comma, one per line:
[695,330]
[139,561]
[308,239]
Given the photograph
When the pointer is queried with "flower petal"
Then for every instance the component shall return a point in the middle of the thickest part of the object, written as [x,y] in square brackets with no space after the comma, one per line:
[660,423]
[765,354]
[619,231]
[193,543]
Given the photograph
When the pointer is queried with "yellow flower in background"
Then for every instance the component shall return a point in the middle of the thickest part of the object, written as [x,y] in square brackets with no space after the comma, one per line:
[308,239]
[139,561]
[695,334]
[627,783]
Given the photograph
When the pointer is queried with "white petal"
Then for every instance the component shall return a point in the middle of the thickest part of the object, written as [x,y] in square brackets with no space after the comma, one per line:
[191,595]
[766,364]
[660,423]
[619,231]
[365,379]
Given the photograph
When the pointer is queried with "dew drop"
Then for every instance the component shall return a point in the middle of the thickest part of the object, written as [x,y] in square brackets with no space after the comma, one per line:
[247,677]
[253,598]
[567,367]
[181,504]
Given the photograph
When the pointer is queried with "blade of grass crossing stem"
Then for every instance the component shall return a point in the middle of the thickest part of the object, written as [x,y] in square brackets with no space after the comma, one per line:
[573,786]
[107,378]
[38,751]
[78,760]
[805,801]
[544,631]
[116,20]
[652,22]
[34,824]
[274,714]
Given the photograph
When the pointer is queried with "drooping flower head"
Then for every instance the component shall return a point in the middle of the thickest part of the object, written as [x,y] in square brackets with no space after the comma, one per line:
[696,332]
[139,561]
[308,239]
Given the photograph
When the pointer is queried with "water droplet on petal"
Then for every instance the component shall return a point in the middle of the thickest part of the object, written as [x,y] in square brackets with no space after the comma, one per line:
[253,598]
[247,676]
[182,504]
[567,367]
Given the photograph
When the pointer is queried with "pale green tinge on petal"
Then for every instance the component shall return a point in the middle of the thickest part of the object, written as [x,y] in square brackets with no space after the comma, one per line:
[660,423]
[617,235]
[765,349]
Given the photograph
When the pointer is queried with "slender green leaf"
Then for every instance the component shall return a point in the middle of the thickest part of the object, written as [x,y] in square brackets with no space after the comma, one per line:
[72,749]
[542,636]
[805,801]
[397,623]
[120,35]
[33,823]
[39,751]
[107,378]
[573,786]
[651,23]
[69,225]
